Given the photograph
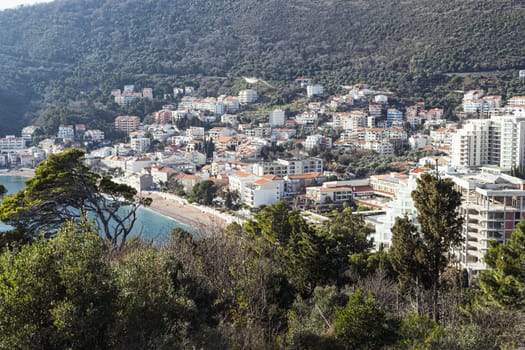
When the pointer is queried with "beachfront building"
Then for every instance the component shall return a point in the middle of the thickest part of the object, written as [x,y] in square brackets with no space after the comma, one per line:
[256,190]
[264,191]
[12,143]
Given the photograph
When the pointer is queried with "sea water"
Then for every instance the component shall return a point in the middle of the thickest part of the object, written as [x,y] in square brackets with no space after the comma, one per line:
[150,226]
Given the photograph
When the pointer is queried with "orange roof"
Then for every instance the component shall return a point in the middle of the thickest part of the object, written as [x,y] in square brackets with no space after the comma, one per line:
[262,181]
[419,170]
[241,174]
[305,176]
[224,139]
[271,177]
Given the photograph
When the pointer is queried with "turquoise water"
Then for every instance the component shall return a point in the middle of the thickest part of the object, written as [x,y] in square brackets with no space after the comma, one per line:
[149,225]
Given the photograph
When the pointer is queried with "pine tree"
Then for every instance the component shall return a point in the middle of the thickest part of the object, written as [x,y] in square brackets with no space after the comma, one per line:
[504,283]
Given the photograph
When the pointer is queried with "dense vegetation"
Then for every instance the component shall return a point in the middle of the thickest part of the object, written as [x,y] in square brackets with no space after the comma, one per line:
[70,50]
[278,282]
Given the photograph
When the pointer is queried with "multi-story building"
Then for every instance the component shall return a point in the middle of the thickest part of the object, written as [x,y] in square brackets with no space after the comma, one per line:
[492,205]
[349,120]
[66,132]
[127,123]
[302,165]
[375,110]
[277,118]
[470,145]
[11,143]
[317,141]
[394,117]
[94,135]
[516,101]
[28,132]
[267,190]
[401,187]
[498,141]
[329,192]
[195,132]
[314,89]
[140,143]
[247,96]
[147,93]
[163,116]
[309,117]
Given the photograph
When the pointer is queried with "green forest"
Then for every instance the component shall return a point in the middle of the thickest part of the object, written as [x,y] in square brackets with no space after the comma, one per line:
[78,50]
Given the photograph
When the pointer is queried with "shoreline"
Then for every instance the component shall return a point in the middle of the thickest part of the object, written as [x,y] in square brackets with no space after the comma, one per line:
[24,172]
[187,214]
[196,218]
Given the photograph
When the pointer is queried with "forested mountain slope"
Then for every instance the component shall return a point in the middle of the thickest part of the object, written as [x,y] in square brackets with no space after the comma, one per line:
[56,50]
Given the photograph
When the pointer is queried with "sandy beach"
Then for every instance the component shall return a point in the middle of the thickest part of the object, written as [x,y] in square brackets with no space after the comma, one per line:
[186,213]
[26,172]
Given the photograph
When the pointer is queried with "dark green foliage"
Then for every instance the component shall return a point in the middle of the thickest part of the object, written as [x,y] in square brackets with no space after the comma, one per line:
[437,203]
[81,49]
[204,192]
[364,324]
[504,283]
[406,255]
[57,294]
[310,256]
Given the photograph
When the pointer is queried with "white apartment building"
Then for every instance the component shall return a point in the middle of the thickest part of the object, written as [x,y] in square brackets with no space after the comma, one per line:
[309,117]
[10,143]
[314,89]
[470,144]
[302,165]
[94,135]
[195,132]
[66,132]
[264,191]
[319,141]
[498,141]
[349,120]
[402,204]
[277,118]
[28,131]
[140,144]
[247,96]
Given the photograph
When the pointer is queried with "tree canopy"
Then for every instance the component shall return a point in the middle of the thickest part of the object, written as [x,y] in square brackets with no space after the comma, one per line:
[62,188]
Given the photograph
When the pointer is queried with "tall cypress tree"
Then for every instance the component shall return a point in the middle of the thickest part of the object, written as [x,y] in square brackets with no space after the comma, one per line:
[437,203]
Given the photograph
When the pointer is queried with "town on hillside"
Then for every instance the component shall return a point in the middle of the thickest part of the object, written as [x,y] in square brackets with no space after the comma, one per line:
[353,149]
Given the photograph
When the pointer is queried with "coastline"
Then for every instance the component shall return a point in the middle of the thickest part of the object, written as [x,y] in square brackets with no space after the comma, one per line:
[23,172]
[197,218]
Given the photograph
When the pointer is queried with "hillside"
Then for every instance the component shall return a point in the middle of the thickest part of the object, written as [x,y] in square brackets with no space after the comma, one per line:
[51,52]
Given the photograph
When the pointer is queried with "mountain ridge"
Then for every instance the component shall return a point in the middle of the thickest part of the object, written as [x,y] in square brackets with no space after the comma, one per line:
[87,44]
